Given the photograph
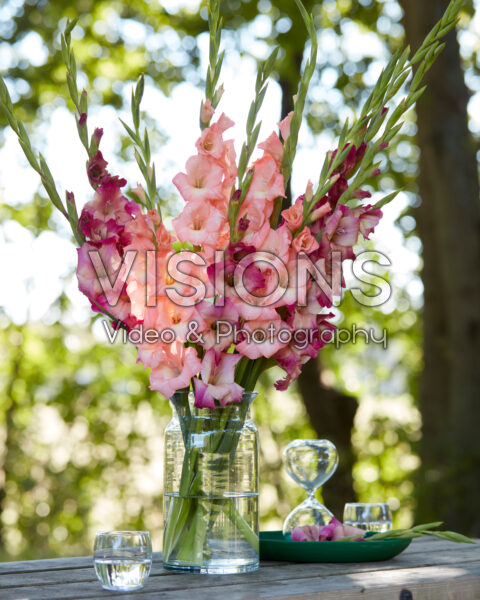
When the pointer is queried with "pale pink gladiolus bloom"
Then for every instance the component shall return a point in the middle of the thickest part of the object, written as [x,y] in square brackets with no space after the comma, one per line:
[200,224]
[211,143]
[278,243]
[217,380]
[168,315]
[267,183]
[225,122]
[274,147]
[300,535]
[203,180]
[265,342]
[175,370]
[258,223]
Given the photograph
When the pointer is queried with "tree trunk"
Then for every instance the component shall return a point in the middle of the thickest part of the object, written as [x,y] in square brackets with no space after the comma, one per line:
[331,413]
[448,220]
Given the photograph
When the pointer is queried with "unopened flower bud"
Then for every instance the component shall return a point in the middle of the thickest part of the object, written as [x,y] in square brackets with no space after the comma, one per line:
[207,112]
[243,224]
[97,134]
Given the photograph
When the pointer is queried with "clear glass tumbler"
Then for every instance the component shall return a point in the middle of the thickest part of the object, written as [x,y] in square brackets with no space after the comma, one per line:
[122,559]
[371,516]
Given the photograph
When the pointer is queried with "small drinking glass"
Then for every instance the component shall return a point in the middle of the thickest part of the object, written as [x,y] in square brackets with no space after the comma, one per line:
[371,516]
[122,559]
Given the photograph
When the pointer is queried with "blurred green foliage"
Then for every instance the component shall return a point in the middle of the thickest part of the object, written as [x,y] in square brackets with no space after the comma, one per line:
[81,433]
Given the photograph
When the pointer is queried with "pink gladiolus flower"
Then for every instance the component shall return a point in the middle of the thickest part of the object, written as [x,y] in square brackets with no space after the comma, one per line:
[211,142]
[105,290]
[350,531]
[267,183]
[273,147]
[213,333]
[342,227]
[175,369]
[168,315]
[335,530]
[201,224]
[278,243]
[217,380]
[107,214]
[285,126]
[369,219]
[203,180]
[305,242]
[293,216]
[225,122]
[306,533]
[258,216]
[262,338]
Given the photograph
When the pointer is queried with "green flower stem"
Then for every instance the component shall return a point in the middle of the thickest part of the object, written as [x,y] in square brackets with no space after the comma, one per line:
[374,121]
[213,91]
[243,526]
[414,532]
[39,163]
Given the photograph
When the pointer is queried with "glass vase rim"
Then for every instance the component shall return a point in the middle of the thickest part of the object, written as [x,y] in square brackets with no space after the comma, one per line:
[121,532]
[247,396]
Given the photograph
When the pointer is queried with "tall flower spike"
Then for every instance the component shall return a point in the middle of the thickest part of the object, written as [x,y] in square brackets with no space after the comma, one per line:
[212,92]
[142,148]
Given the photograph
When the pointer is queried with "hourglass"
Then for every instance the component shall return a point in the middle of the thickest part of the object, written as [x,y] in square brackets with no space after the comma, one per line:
[310,463]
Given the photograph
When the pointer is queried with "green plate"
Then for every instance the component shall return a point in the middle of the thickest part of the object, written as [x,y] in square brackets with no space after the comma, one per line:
[274,546]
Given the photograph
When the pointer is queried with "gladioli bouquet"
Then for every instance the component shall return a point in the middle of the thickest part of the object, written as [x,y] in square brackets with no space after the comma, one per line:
[242,282]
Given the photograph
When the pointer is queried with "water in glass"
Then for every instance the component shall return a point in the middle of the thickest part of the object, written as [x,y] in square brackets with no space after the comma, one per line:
[119,566]
[371,516]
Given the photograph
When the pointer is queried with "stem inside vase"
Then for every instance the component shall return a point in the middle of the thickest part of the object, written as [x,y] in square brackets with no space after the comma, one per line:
[211,488]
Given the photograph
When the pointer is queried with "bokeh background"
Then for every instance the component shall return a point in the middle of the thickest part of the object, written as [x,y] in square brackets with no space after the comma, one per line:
[80,432]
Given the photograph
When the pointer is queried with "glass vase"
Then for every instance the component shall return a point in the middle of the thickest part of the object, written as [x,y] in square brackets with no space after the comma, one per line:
[211,488]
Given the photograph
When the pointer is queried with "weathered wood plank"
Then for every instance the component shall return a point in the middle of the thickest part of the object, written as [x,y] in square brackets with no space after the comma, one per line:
[461,555]
[74,579]
[419,545]
[431,583]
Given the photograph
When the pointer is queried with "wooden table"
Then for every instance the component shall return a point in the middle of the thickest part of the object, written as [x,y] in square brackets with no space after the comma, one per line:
[429,569]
